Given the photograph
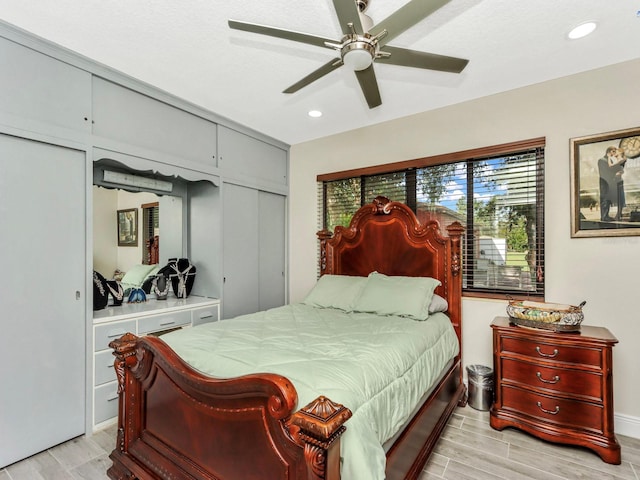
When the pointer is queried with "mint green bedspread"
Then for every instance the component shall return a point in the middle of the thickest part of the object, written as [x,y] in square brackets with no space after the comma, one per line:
[378,367]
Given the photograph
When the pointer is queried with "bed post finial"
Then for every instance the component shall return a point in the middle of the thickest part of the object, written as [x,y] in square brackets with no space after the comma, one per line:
[321,423]
[382,205]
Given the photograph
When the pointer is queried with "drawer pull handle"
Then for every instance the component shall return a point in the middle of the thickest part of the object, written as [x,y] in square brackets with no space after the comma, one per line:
[111,399]
[555,379]
[555,412]
[167,323]
[117,334]
[547,355]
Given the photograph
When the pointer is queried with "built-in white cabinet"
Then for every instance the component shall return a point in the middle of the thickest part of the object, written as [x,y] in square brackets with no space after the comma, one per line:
[147,318]
[42,94]
[253,250]
[233,228]
[42,294]
[134,119]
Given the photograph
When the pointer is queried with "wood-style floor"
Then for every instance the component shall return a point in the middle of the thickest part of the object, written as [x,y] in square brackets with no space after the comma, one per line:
[468,449]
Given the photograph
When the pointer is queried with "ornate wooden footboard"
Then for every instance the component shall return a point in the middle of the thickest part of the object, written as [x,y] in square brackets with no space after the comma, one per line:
[176,423]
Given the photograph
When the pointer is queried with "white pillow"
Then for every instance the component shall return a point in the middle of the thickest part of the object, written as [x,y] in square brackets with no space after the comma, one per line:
[336,291]
[438,304]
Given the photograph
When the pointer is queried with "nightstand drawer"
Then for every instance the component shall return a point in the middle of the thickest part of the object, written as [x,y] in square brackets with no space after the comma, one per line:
[561,380]
[563,412]
[541,349]
[111,331]
[103,368]
[163,322]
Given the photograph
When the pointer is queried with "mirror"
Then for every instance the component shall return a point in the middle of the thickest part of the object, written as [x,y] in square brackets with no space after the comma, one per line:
[158,237]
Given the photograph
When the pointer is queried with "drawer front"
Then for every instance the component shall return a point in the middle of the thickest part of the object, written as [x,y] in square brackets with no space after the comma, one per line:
[103,368]
[158,323]
[111,331]
[572,382]
[105,402]
[548,350]
[205,314]
[567,413]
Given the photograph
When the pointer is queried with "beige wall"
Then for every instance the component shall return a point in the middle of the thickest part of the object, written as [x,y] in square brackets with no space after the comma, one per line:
[602,271]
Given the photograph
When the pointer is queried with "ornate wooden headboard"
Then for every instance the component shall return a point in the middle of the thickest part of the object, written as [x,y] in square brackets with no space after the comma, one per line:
[386,237]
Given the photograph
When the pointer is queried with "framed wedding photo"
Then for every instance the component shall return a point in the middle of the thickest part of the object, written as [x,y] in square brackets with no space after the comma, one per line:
[128,227]
[605,184]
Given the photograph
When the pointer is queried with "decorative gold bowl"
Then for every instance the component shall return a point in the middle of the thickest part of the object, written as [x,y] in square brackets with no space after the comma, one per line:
[546,316]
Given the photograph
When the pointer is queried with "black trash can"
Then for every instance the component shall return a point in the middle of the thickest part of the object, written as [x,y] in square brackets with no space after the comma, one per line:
[480,386]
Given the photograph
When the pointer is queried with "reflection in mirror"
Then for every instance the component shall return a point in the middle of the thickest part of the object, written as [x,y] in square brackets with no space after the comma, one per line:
[159,225]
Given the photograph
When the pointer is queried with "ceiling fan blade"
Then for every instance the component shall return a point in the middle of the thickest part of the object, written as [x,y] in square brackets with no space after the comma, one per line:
[405,17]
[348,12]
[281,33]
[431,61]
[315,75]
[369,86]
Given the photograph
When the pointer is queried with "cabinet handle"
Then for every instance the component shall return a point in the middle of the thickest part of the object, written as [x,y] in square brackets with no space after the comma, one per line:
[555,379]
[167,323]
[547,355]
[555,412]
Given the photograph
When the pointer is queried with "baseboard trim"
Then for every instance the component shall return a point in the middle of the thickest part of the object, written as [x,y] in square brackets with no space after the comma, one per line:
[627,425]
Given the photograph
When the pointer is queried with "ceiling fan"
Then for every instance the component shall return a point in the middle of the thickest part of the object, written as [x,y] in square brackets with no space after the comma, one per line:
[363,43]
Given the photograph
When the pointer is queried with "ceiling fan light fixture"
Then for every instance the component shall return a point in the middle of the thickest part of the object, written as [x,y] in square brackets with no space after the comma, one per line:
[358,55]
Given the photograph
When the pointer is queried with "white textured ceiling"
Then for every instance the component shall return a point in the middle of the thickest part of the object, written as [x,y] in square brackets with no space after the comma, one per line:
[186,48]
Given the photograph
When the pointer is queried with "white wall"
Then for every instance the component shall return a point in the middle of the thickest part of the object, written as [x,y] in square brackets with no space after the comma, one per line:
[602,271]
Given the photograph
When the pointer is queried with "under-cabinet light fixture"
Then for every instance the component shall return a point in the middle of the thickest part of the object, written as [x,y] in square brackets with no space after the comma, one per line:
[137,181]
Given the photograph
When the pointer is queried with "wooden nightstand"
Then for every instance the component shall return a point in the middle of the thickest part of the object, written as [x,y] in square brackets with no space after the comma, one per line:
[556,386]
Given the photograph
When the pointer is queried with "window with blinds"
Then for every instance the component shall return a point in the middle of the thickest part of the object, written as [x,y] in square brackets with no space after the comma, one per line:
[497,193]
[150,235]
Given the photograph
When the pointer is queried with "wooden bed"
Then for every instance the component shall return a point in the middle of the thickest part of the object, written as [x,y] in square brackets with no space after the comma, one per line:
[265,434]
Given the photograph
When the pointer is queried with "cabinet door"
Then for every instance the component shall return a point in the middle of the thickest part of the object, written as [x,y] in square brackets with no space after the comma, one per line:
[43,94]
[254,250]
[135,119]
[243,156]
[240,251]
[271,208]
[42,346]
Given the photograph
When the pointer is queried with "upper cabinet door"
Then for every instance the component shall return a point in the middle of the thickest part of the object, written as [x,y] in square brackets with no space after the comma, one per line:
[135,119]
[243,156]
[42,94]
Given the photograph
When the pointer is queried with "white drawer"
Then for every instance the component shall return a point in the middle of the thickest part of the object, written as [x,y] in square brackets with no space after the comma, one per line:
[103,368]
[205,314]
[111,331]
[105,402]
[158,323]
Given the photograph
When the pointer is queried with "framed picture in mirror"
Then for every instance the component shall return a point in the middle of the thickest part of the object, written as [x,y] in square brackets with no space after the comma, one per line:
[128,227]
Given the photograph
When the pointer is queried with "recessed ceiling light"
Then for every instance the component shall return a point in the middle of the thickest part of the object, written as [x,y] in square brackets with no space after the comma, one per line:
[315,113]
[582,30]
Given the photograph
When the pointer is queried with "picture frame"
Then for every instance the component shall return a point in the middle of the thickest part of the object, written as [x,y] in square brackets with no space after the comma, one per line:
[605,184]
[127,227]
